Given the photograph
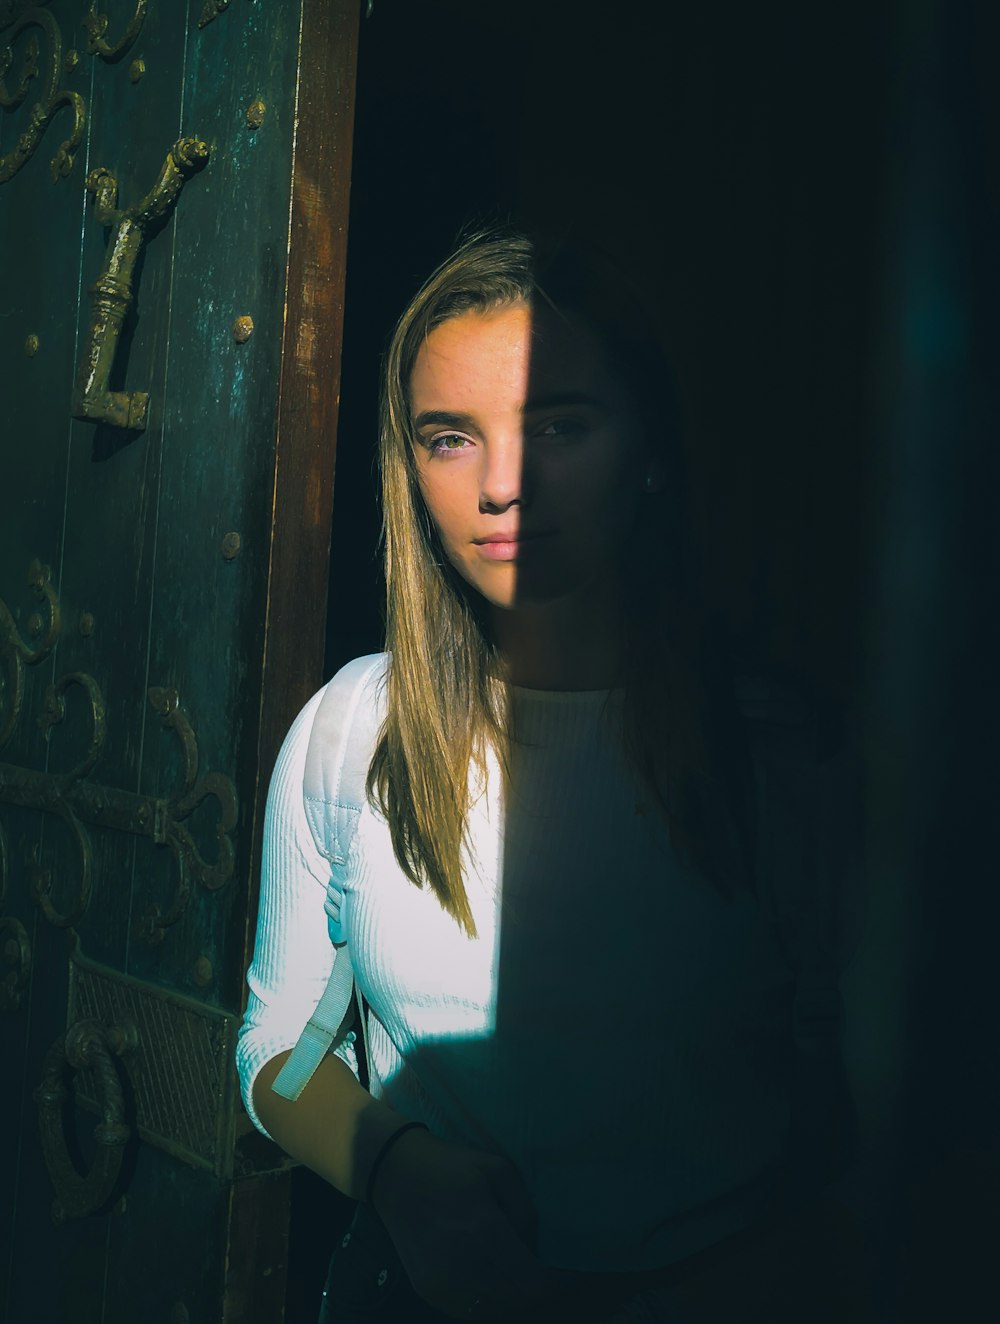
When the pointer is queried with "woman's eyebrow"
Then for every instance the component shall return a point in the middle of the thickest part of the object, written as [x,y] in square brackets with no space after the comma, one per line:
[553,400]
[444,418]
[563,400]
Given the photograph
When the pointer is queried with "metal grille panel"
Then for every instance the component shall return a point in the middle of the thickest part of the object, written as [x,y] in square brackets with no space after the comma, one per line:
[181,1071]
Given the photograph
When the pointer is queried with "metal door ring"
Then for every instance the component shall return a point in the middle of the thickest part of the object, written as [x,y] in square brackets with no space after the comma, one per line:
[86,1044]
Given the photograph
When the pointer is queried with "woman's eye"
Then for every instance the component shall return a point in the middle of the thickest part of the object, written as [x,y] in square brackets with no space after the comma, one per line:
[449,442]
[561,427]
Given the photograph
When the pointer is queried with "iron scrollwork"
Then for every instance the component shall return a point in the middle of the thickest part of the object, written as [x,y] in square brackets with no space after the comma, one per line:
[78,801]
[12,10]
[194,790]
[51,100]
[41,876]
[16,652]
[112,294]
[97,25]
[3,865]
[86,1045]
[29,72]
[211,9]
[15,953]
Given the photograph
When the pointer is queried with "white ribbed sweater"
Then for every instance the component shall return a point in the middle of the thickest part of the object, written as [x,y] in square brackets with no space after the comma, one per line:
[616,1029]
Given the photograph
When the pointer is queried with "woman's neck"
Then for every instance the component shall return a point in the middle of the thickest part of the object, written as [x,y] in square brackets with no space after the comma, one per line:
[574,643]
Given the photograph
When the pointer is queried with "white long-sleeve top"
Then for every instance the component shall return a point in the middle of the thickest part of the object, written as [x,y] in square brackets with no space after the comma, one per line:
[618,1030]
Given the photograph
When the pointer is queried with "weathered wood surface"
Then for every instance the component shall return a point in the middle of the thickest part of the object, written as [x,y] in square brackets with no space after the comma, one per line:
[154,592]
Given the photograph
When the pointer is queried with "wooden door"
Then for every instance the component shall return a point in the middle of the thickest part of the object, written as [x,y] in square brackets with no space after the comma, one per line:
[173,206]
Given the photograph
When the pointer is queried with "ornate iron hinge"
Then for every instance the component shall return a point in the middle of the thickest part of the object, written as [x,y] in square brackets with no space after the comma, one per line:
[78,800]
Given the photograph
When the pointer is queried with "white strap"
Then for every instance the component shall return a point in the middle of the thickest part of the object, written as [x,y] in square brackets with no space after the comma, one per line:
[320,1031]
[344,731]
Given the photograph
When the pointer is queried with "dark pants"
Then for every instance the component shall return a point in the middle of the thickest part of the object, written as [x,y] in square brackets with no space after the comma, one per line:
[808,1266]
[367,1281]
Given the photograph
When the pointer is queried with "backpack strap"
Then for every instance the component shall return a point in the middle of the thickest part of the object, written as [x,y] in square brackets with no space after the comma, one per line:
[345,729]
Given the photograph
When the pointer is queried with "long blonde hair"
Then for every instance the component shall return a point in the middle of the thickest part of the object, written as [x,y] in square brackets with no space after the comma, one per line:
[447,703]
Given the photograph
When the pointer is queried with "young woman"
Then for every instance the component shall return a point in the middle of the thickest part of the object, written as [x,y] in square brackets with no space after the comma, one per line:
[568,889]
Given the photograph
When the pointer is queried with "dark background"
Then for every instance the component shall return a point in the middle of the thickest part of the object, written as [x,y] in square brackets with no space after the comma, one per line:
[810,195]
[733,163]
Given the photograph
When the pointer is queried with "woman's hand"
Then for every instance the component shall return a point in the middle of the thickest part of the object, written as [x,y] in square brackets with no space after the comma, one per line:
[462,1223]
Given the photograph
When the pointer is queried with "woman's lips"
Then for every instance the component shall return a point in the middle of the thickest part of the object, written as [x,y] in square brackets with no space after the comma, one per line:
[506,547]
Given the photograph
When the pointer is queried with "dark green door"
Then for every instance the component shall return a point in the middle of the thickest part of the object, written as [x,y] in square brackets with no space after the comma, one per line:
[173,203]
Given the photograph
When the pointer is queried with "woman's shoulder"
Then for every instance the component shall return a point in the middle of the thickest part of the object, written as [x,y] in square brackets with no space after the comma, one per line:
[344,728]
[346,708]
[358,683]
[365,674]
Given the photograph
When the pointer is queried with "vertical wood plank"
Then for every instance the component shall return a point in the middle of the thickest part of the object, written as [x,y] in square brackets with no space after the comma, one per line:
[256,1268]
[39,293]
[309,389]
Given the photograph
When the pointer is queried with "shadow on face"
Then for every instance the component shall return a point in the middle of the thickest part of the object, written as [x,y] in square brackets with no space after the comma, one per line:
[531,455]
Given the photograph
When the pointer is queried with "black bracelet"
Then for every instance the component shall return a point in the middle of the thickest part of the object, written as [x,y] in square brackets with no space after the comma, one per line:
[380,1156]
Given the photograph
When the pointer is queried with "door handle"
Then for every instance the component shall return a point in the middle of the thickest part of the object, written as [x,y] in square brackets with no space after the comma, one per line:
[111,294]
[86,1044]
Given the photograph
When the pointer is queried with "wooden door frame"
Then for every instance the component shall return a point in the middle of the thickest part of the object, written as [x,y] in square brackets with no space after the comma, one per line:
[299,542]
[309,385]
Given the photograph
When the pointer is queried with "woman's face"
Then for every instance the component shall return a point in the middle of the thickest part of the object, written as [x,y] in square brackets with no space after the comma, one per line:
[530,454]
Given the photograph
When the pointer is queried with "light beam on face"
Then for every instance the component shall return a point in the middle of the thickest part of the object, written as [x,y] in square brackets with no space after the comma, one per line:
[530,455]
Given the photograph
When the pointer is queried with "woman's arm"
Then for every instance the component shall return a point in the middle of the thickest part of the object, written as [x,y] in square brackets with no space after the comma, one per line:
[334,1127]
[459,1217]
[293,955]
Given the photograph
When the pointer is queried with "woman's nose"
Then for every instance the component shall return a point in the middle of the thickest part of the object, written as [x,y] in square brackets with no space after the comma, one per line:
[502,483]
